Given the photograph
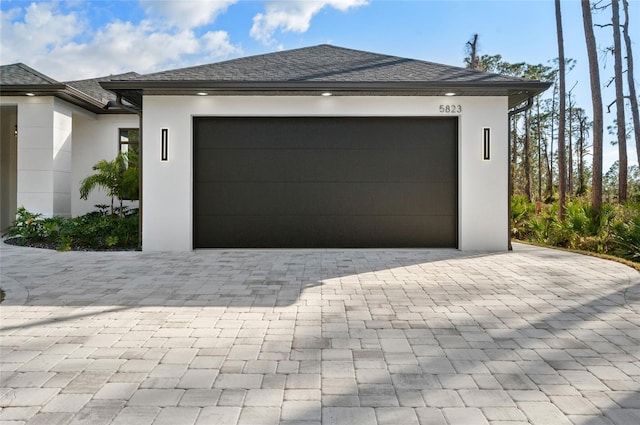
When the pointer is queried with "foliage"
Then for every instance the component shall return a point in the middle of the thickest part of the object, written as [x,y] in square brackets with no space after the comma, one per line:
[118,177]
[615,231]
[610,183]
[98,230]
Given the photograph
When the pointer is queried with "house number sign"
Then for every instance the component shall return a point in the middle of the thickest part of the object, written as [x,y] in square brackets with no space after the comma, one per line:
[450,109]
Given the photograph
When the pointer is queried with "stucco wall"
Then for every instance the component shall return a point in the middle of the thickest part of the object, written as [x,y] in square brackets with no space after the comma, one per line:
[168,187]
[95,138]
[57,145]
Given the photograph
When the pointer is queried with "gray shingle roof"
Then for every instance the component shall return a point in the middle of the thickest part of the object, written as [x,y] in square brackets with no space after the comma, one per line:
[19,73]
[326,63]
[18,79]
[91,87]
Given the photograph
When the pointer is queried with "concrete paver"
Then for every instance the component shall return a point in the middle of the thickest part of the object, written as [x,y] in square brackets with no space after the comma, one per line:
[424,337]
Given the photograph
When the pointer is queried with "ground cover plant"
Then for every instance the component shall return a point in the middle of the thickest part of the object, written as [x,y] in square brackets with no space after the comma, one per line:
[98,230]
[615,231]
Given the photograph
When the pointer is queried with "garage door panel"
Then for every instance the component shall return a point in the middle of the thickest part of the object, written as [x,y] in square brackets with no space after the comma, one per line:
[320,133]
[325,182]
[324,232]
[324,165]
[307,198]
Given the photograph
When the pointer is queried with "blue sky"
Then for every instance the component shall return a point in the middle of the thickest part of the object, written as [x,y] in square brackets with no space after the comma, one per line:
[82,39]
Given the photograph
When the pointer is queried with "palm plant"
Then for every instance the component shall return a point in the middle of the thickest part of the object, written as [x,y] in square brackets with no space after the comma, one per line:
[118,177]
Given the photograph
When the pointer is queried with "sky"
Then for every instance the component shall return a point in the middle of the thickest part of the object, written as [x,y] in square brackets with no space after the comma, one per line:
[77,39]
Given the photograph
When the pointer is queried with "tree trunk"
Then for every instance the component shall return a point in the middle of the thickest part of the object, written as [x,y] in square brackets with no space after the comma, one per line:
[570,159]
[620,120]
[550,155]
[633,98]
[473,47]
[526,152]
[562,179]
[581,182]
[539,150]
[514,153]
[596,96]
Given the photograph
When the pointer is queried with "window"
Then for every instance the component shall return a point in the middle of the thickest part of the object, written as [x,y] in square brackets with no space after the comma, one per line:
[129,140]
[129,143]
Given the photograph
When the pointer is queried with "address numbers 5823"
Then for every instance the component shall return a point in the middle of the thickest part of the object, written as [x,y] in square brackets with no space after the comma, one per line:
[450,109]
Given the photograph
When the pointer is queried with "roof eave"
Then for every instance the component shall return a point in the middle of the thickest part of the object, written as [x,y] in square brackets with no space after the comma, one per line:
[60,91]
[516,91]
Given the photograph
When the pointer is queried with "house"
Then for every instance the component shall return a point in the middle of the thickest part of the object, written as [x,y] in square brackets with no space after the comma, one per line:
[313,147]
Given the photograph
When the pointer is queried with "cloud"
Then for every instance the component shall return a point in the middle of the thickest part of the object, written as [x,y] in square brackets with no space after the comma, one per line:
[293,16]
[61,45]
[39,32]
[218,45]
[186,14]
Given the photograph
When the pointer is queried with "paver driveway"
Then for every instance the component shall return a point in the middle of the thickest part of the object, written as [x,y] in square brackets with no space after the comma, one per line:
[313,336]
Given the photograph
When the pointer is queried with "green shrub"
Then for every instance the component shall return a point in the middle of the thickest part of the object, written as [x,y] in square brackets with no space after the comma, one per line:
[97,230]
[615,231]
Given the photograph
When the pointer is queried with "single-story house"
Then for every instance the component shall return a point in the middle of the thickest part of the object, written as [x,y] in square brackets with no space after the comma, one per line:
[314,147]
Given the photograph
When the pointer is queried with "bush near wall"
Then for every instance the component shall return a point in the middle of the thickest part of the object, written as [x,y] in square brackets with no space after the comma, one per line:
[97,230]
[616,232]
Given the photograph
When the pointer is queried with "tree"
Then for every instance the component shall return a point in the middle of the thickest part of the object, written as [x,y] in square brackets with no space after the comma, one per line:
[118,177]
[596,96]
[633,98]
[562,179]
[472,60]
[583,130]
[622,138]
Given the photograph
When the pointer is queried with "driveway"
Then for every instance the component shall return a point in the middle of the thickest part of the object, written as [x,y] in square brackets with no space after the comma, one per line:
[318,337]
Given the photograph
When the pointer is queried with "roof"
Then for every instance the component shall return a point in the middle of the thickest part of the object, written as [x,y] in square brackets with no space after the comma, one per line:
[325,67]
[19,79]
[19,73]
[324,63]
[92,86]
[304,71]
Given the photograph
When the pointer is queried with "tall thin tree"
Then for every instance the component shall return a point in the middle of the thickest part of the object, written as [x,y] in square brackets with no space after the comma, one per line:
[633,98]
[562,178]
[472,60]
[623,178]
[596,96]
[526,155]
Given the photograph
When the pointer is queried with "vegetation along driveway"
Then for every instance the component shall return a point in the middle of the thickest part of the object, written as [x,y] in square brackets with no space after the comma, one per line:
[318,337]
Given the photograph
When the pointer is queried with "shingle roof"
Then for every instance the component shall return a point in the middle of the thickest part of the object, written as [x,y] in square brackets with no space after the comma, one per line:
[342,71]
[326,63]
[18,79]
[91,87]
[19,73]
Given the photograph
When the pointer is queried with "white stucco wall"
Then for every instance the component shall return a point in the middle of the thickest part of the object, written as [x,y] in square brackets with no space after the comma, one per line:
[95,138]
[168,186]
[58,143]
[61,166]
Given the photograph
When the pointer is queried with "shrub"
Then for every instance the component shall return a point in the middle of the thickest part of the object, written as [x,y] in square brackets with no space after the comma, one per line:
[118,177]
[615,231]
[97,230]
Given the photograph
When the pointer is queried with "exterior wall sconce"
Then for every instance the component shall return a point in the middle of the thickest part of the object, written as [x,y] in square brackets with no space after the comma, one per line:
[486,144]
[15,130]
[164,144]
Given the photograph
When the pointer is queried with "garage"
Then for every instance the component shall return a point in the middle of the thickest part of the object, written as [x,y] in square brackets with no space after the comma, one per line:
[325,182]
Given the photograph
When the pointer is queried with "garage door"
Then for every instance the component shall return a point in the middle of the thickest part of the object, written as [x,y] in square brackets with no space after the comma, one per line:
[340,182]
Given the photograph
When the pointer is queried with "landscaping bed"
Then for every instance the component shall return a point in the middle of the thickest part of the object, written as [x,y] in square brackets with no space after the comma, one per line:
[96,231]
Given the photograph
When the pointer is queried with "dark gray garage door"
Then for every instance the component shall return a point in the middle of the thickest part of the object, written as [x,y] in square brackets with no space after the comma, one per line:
[325,182]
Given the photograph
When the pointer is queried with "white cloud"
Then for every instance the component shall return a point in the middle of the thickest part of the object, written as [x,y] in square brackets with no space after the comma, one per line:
[293,16]
[60,45]
[218,45]
[41,31]
[186,13]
